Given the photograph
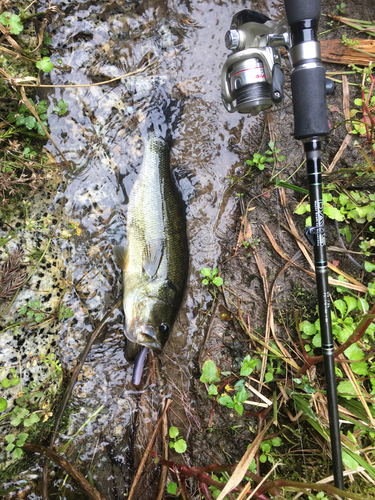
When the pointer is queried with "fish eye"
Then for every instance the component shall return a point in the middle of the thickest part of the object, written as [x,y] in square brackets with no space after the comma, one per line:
[164,328]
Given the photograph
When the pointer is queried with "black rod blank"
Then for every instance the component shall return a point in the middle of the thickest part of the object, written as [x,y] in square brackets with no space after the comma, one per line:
[317,233]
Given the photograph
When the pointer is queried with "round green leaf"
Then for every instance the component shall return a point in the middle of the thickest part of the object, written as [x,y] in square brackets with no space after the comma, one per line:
[30,122]
[210,372]
[217,281]
[10,438]
[266,447]
[173,432]
[317,340]
[180,446]
[206,272]
[15,381]
[307,328]
[172,488]
[34,417]
[354,352]
[17,453]
[10,447]
[360,368]
[226,400]
[369,266]
[46,66]
[263,459]
[351,302]
[341,306]
[5,383]
[276,441]
[268,377]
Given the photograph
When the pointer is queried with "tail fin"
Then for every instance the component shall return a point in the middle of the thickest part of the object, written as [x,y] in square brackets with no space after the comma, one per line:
[163,114]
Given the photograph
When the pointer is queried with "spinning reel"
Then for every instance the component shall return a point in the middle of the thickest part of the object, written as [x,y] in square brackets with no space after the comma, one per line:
[252,78]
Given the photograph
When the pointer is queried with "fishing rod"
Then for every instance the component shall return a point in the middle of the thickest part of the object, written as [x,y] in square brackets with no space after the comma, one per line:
[252,80]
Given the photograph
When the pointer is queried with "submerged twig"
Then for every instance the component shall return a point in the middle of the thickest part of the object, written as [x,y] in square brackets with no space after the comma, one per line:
[61,462]
[70,387]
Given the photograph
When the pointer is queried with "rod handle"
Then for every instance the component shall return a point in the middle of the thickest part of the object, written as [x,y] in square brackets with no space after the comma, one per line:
[298,10]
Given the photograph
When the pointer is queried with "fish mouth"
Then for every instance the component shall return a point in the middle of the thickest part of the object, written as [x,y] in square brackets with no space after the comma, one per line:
[147,336]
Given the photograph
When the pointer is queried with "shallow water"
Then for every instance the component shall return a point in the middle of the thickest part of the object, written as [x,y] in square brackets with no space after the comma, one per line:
[101,136]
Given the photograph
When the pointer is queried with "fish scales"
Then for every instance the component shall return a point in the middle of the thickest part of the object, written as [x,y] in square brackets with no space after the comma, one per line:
[155,262]
[155,220]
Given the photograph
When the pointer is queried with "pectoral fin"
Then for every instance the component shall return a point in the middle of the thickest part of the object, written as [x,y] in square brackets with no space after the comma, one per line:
[152,255]
[121,257]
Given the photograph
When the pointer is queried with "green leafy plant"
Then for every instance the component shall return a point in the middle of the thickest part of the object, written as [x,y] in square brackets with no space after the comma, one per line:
[345,318]
[251,242]
[238,399]
[32,310]
[13,21]
[28,408]
[61,107]
[210,375]
[25,118]
[340,8]
[19,414]
[260,161]
[45,64]
[266,447]
[54,365]
[65,312]
[359,207]
[14,444]
[177,443]
[211,277]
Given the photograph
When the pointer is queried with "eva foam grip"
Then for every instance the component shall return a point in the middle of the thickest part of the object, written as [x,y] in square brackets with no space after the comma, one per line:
[309,102]
[298,10]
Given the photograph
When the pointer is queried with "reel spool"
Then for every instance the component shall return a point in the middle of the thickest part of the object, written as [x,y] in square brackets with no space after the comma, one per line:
[252,79]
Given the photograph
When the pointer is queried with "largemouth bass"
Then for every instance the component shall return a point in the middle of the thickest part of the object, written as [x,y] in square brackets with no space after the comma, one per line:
[155,261]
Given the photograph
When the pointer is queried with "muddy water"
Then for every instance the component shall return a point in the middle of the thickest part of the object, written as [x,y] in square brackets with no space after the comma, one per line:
[184,43]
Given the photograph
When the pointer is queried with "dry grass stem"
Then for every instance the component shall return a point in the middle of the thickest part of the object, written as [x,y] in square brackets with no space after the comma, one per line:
[135,72]
[148,448]
[244,463]
[339,153]
[262,481]
[164,469]
[345,102]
